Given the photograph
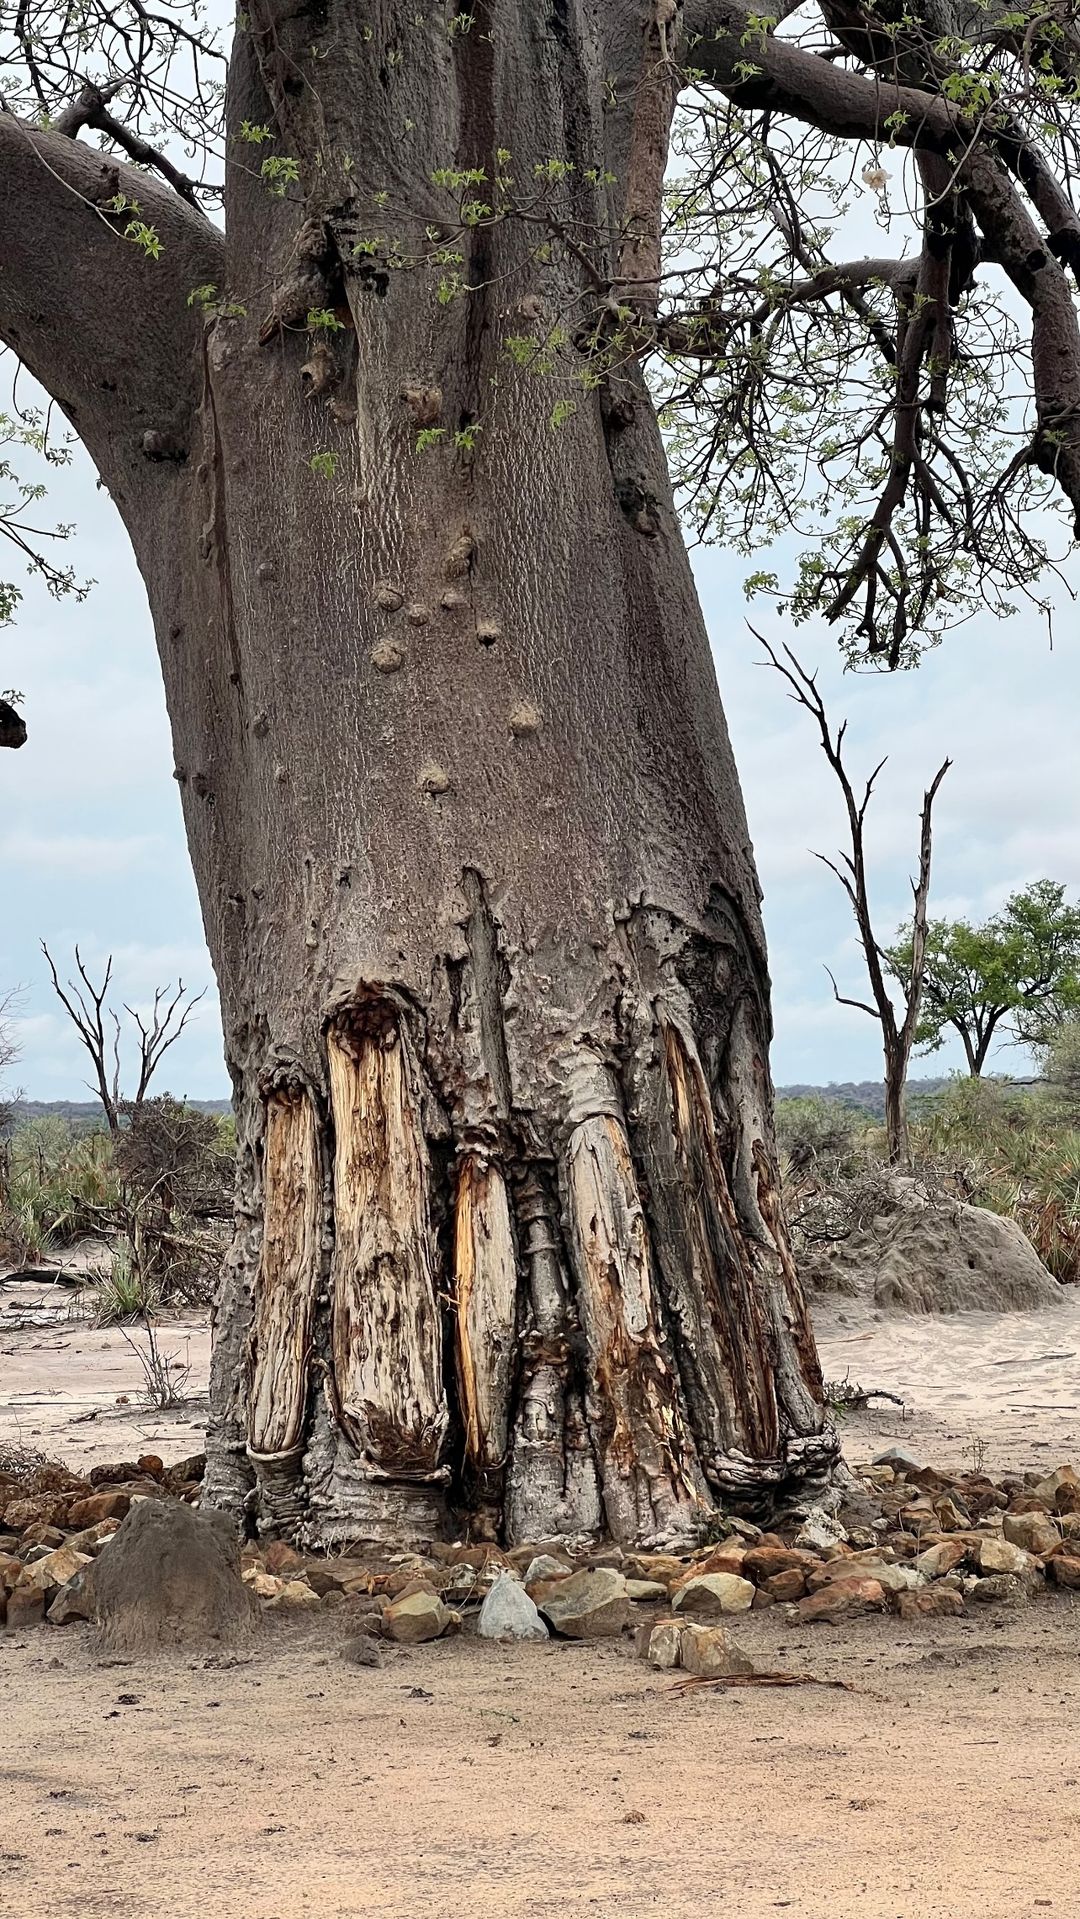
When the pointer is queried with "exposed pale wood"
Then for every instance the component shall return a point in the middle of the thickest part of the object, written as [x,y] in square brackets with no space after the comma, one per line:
[485,1290]
[387,1337]
[645,1453]
[288,1276]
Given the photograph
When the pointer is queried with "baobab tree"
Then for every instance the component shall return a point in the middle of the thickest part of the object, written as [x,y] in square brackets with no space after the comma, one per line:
[465,823]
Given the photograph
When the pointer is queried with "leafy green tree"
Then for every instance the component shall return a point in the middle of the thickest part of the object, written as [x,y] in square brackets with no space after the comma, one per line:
[1017,973]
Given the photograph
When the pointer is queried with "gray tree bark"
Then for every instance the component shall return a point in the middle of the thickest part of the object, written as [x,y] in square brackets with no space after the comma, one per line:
[468,837]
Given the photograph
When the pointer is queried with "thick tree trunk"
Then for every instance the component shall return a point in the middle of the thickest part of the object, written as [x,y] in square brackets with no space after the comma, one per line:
[470,847]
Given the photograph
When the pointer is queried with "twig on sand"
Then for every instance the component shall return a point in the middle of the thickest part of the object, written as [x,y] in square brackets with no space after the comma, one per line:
[696,1682]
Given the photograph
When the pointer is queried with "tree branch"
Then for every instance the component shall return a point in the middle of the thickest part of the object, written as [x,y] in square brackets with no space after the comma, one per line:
[105,327]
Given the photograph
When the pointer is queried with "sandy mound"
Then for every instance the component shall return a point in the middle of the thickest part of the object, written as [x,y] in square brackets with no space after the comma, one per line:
[170,1578]
[927,1253]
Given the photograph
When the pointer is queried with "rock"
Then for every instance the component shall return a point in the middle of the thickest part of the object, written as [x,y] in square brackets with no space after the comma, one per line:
[840,1599]
[264,1585]
[662,1567]
[762,1562]
[938,1560]
[891,1578]
[646,1591]
[93,1538]
[711,1653]
[819,1531]
[1061,1490]
[728,1558]
[151,1467]
[49,1574]
[116,1474]
[283,1559]
[789,1585]
[509,1613]
[73,1601]
[928,1253]
[1000,1556]
[950,1515]
[25,1607]
[416,1618]
[1070,1525]
[292,1596]
[362,1650]
[170,1578]
[546,1566]
[1005,1589]
[659,1644]
[899,1458]
[588,1605]
[10,1571]
[1034,1532]
[932,1602]
[712,1595]
[48,1509]
[1064,1570]
[98,1506]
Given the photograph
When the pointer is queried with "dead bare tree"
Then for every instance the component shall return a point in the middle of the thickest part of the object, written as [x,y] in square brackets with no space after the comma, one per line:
[897,1031]
[99,1029]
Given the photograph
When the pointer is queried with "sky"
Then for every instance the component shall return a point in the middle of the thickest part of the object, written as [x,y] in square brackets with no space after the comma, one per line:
[92,847]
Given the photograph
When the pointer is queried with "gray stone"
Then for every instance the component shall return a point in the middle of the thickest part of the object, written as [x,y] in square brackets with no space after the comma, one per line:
[546,1566]
[509,1613]
[819,1531]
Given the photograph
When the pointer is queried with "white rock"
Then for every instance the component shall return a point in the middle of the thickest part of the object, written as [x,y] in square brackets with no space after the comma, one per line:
[819,1531]
[509,1613]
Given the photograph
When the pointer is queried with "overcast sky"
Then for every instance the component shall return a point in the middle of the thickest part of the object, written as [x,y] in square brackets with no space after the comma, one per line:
[92,848]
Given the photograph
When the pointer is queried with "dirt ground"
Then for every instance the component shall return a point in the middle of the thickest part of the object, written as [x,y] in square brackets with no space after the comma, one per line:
[469,1781]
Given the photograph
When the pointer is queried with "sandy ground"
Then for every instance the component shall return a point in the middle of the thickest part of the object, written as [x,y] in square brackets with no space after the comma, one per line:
[468,1781]
[465,1781]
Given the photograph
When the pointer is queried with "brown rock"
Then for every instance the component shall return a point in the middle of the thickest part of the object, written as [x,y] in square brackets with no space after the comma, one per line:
[1006,1589]
[936,1561]
[1028,1503]
[933,1602]
[761,1563]
[950,1516]
[49,1574]
[711,1595]
[25,1607]
[785,1585]
[98,1506]
[115,1475]
[151,1466]
[10,1569]
[281,1558]
[1061,1490]
[589,1605]
[417,1617]
[47,1509]
[1035,1532]
[1000,1556]
[841,1599]
[1064,1570]
[711,1653]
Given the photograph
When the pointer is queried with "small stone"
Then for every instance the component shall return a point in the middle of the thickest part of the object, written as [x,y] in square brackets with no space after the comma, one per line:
[932,1602]
[264,1585]
[509,1613]
[711,1653]
[789,1585]
[1064,1570]
[711,1595]
[25,1607]
[841,1599]
[98,1506]
[419,1616]
[899,1458]
[588,1605]
[1000,1556]
[659,1644]
[819,1531]
[950,1516]
[944,1558]
[1005,1589]
[47,1575]
[546,1566]
[282,1558]
[73,1601]
[645,1591]
[93,1538]
[292,1595]
[362,1650]
[152,1466]
[1035,1532]
[1061,1490]
[762,1562]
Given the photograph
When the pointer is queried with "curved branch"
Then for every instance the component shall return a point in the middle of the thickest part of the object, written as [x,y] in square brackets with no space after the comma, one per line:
[105,327]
